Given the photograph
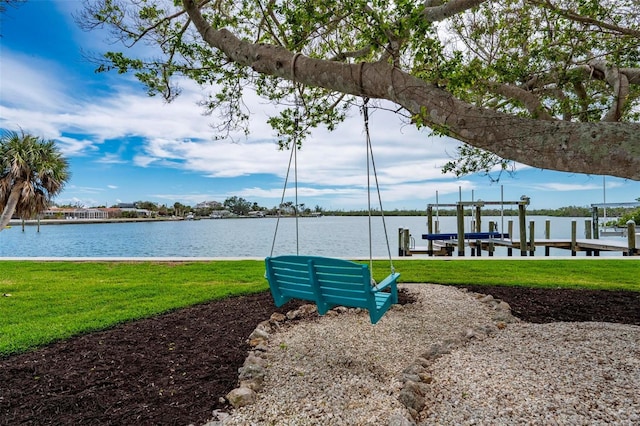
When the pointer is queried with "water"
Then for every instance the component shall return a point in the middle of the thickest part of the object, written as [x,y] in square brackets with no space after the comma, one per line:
[334,236]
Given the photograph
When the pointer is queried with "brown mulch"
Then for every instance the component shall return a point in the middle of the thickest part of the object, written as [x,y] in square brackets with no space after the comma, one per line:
[175,368]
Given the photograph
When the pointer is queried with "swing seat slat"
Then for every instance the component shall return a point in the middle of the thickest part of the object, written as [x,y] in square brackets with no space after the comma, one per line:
[329,282]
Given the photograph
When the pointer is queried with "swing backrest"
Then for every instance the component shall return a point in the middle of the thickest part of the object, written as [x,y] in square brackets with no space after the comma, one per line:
[329,282]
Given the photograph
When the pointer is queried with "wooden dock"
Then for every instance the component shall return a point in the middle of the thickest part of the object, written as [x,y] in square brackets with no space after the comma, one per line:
[592,247]
[445,244]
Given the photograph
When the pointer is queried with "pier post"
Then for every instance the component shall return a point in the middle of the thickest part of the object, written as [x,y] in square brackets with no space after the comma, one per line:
[460,215]
[478,229]
[574,227]
[430,229]
[547,236]
[532,243]
[523,230]
[587,234]
[510,227]
[403,242]
[594,217]
[631,237]
[491,246]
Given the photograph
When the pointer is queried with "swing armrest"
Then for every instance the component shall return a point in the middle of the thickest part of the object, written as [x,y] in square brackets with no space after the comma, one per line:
[389,281]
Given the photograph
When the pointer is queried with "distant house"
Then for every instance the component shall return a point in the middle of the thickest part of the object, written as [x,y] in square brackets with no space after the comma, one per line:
[98,213]
[209,205]
[219,214]
[76,213]
[132,211]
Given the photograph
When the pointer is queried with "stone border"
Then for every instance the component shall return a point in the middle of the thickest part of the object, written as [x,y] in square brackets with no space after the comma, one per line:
[414,377]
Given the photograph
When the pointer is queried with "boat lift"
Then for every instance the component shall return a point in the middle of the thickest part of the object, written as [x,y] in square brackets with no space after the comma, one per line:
[433,236]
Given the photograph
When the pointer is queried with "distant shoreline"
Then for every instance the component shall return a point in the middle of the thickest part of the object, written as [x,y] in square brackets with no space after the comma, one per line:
[34,222]
[14,223]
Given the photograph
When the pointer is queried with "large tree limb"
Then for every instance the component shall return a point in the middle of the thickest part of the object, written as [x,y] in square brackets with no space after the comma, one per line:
[528,99]
[435,11]
[593,148]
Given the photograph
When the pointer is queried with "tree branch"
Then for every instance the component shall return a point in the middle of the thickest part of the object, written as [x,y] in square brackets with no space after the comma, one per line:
[585,19]
[593,148]
[528,99]
[435,11]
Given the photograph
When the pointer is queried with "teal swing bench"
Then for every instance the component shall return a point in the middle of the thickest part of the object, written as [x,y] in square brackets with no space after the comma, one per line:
[326,281]
[330,282]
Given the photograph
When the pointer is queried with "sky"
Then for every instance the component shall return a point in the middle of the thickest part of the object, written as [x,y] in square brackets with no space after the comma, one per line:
[124,146]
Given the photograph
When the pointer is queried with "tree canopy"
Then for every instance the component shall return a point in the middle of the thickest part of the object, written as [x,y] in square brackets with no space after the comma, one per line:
[553,84]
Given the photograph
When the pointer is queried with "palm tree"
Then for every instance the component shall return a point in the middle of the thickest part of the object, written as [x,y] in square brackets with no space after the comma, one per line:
[32,172]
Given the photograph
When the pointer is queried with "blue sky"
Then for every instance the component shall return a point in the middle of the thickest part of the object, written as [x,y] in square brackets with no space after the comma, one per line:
[124,146]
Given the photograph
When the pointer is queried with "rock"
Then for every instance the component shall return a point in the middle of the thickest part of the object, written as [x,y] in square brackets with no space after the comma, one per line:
[240,397]
[277,317]
[413,369]
[259,334]
[262,346]
[412,396]
[399,420]
[438,349]
[486,299]
[308,309]
[477,333]
[503,306]
[253,384]
[259,343]
[265,326]
[252,359]
[218,418]
[293,315]
[425,377]
[410,378]
[251,371]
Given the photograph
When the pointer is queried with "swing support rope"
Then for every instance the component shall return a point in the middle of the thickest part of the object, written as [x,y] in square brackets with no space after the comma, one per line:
[372,164]
[292,157]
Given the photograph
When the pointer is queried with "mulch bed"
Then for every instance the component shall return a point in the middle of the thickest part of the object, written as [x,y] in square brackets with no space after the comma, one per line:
[174,369]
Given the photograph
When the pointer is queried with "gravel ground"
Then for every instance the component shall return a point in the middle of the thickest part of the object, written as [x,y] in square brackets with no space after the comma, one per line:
[541,374]
[341,370]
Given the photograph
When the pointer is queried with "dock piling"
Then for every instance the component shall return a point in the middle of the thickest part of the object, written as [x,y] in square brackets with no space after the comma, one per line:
[532,242]
[547,236]
[631,237]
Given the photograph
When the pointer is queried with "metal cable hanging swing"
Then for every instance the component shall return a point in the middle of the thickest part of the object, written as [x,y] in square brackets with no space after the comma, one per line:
[330,282]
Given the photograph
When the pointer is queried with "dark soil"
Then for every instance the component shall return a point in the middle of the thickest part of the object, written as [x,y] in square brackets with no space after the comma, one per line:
[176,368]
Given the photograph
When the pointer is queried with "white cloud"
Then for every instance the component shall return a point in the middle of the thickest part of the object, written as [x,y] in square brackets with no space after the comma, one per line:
[109,158]
[567,187]
[26,82]
[177,135]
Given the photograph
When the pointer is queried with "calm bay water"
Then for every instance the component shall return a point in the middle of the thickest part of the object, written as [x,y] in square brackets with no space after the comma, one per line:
[334,236]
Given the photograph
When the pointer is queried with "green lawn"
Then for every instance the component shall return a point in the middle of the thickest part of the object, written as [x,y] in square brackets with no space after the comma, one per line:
[48,301]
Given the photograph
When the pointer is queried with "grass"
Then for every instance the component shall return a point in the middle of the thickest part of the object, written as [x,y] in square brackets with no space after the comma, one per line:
[596,274]
[50,301]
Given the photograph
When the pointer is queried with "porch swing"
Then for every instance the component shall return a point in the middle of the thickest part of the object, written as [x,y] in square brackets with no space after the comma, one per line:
[326,281]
